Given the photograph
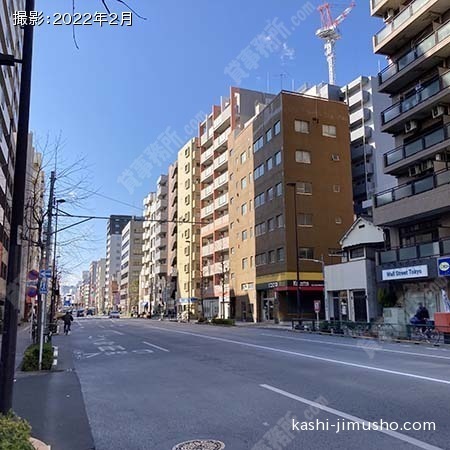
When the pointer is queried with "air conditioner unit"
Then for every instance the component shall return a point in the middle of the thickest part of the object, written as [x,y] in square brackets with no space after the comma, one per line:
[439,111]
[415,170]
[426,165]
[411,126]
[439,157]
[335,157]
[389,15]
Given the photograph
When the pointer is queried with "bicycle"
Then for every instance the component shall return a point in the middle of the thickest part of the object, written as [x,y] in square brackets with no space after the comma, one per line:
[426,333]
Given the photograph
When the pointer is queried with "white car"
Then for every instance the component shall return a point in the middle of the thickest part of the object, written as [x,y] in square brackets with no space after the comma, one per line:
[114,315]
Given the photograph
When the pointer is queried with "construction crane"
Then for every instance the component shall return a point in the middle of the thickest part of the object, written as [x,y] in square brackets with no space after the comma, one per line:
[330,33]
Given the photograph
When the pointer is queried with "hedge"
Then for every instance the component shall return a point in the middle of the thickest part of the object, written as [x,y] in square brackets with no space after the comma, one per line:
[14,433]
[31,358]
[217,321]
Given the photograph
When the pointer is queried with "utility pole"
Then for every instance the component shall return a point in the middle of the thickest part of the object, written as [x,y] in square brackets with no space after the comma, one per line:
[223,288]
[8,353]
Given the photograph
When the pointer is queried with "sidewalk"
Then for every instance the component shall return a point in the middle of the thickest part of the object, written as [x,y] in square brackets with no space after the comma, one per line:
[53,403]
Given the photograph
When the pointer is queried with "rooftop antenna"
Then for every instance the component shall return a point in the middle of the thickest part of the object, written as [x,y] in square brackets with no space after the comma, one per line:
[330,33]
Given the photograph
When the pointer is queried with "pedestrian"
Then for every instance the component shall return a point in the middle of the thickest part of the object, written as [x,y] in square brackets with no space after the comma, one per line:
[67,319]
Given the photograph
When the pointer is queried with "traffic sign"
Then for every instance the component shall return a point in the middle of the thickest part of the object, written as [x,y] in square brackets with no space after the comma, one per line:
[43,288]
[33,275]
[316,306]
[32,291]
[444,266]
[47,273]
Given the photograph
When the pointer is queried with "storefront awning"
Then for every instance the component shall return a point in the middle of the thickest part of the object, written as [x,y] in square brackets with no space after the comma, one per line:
[302,288]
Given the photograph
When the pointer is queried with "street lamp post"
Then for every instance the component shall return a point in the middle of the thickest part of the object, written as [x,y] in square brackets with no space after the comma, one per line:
[297,259]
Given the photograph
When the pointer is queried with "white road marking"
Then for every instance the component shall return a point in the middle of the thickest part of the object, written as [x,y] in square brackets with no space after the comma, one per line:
[101,326]
[155,346]
[90,337]
[117,332]
[90,355]
[362,347]
[106,348]
[143,351]
[305,355]
[103,342]
[349,417]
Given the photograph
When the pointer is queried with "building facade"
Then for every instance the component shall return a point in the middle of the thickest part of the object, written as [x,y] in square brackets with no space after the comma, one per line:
[93,267]
[415,215]
[131,265]
[146,291]
[225,119]
[99,299]
[172,214]
[188,229]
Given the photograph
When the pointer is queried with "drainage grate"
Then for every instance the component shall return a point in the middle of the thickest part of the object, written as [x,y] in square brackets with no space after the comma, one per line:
[200,444]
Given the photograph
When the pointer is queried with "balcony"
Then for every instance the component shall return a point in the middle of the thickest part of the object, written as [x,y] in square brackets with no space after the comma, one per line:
[221,161]
[207,250]
[221,201]
[207,211]
[222,121]
[207,191]
[424,55]
[160,254]
[160,269]
[425,250]
[417,105]
[359,98]
[206,174]
[206,138]
[161,204]
[362,170]
[220,142]
[222,222]
[407,24]
[221,180]
[425,146]
[206,156]
[361,151]
[420,198]
[208,229]
[378,7]
[359,116]
[217,267]
[160,242]
[219,290]
[360,133]
[221,244]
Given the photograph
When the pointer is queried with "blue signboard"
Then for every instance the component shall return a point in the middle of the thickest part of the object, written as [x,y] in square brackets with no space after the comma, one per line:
[45,273]
[43,288]
[444,266]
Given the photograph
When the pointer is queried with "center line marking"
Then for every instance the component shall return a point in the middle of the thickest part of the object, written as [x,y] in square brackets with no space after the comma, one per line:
[155,346]
[305,355]
[362,347]
[349,417]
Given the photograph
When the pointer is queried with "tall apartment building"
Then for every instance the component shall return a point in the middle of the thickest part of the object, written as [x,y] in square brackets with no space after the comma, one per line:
[294,155]
[113,258]
[11,39]
[93,268]
[146,291]
[415,38]
[99,299]
[172,214]
[85,289]
[228,117]
[188,233]
[365,104]
[131,264]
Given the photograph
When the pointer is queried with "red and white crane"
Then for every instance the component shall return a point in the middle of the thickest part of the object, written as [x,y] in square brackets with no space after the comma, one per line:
[330,33]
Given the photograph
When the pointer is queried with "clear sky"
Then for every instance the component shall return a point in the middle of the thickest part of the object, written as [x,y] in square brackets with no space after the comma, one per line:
[113,97]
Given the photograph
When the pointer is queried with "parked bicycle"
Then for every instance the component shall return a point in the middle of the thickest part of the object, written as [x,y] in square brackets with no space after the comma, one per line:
[427,333]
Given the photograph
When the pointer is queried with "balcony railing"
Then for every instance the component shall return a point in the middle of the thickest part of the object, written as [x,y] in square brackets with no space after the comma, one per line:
[222,159]
[222,221]
[399,20]
[220,181]
[425,250]
[222,200]
[206,155]
[206,173]
[207,210]
[427,91]
[419,50]
[208,190]
[416,146]
[413,188]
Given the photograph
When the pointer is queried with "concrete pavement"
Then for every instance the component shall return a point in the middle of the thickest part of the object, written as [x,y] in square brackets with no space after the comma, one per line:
[151,385]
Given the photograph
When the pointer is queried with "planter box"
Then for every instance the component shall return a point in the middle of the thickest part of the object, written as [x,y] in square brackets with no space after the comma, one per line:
[39,445]
[442,322]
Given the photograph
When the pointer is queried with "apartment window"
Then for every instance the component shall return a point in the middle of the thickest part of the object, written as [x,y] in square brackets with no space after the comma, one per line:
[251,231]
[329,130]
[186,234]
[280,254]
[258,144]
[187,183]
[301,126]
[357,253]
[260,259]
[186,153]
[259,200]
[269,135]
[334,252]
[270,194]
[260,228]
[277,158]
[186,268]
[278,189]
[244,183]
[259,171]
[244,235]
[187,199]
[251,261]
[335,157]
[231,225]
[305,220]
[338,220]
[279,221]
[244,209]
[277,128]
[186,251]
[271,256]
[244,263]
[306,253]
[271,224]
[303,156]
[187,168]
[304,188]
[249,205]
[243,157]
[232,250]
[269,164]
[336,188]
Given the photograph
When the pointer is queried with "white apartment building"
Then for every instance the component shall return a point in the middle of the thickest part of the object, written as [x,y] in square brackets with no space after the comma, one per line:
[99,300]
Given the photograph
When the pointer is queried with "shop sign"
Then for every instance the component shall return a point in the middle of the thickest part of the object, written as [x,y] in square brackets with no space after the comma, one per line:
[405,272]
[444,266]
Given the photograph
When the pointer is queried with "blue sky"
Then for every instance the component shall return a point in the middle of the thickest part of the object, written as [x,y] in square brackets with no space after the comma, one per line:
[114,96]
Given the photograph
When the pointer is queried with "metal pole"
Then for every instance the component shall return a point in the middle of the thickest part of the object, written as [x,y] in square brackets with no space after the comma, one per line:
[8,353]
[53,297]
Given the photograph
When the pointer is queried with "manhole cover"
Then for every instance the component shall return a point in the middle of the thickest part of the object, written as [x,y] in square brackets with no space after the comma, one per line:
[200,444]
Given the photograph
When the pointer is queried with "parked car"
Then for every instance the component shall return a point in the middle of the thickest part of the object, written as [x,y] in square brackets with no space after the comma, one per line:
[114,315]
[80,313]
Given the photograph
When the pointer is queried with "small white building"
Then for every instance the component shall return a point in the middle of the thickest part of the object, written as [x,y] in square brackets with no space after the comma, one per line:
[350,286]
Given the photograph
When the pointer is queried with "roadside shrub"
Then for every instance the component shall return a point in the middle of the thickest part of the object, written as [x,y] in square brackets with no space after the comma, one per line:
[31,358]
[217,321]
[202,319]
[14,433]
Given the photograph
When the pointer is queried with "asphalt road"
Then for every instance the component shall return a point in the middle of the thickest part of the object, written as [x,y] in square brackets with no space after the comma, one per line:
[152,385]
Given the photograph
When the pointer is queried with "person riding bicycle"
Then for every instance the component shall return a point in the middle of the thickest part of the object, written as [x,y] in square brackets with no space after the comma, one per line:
[67,319]
[421,317]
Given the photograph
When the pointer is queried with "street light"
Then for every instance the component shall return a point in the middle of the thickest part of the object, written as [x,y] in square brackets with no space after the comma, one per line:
[297,259]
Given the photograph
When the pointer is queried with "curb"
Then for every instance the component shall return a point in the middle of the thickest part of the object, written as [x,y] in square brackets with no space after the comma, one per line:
[55,358]
[39,445]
